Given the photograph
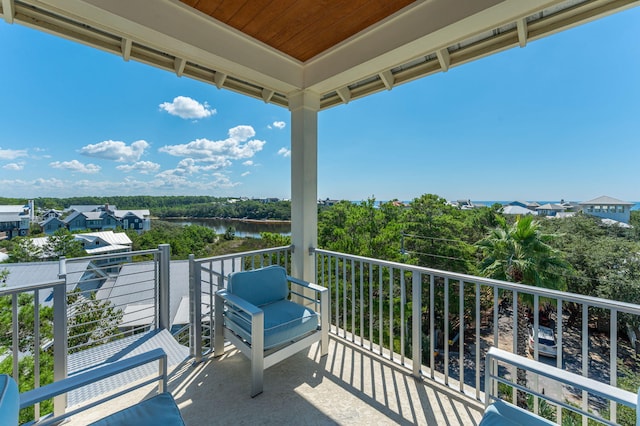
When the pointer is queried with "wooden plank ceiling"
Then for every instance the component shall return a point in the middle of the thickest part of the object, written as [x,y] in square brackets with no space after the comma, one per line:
[301,29]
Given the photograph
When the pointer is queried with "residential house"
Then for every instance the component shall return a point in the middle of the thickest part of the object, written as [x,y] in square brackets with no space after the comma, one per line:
[550,209]
[531,205]
[138,220]
[608,208]
[15,221]
[52,224]
[98,218]
[517,210]
[95,243]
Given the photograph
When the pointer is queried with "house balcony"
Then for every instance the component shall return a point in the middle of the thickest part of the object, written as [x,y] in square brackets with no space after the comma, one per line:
[383,364]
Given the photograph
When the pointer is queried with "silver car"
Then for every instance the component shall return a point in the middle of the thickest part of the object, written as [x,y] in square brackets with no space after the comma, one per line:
[546,342]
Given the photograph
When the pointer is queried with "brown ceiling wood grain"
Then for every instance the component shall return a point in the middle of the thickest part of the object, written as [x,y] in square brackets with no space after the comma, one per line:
[299,28]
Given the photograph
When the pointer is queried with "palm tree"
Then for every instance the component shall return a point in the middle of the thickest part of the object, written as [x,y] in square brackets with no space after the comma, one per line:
[520,253]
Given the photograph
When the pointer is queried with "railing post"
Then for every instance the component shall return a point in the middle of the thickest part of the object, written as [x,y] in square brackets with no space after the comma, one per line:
[60,340]
[416,322]
[195,312]
[163,286]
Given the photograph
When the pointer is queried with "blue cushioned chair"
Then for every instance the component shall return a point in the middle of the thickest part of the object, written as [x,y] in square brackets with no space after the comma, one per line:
[269,316]
[160,409]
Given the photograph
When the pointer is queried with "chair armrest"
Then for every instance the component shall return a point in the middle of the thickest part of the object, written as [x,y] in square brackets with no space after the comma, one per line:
[63,386]
[559,376]
[312,286]
[238,302]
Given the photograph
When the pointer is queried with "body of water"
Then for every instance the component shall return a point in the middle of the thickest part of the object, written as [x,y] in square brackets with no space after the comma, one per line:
[243,229]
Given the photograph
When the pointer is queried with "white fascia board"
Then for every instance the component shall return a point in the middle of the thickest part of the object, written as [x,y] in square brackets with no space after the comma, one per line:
[414,32]
[171,26]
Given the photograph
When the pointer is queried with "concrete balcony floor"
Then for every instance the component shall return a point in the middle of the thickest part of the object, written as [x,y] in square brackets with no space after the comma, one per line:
[349,386]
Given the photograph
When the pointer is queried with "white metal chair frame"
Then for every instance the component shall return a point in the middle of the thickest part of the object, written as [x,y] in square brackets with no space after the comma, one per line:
[593,387]
[261,359]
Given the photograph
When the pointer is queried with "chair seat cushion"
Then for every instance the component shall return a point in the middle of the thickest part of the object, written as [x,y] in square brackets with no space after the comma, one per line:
[284,321]
[503,413]
[158,410]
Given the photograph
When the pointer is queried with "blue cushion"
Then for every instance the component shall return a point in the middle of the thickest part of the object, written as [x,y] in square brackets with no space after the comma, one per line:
[284,321]
[156,411]
[9,400]
[260,286]
[503,413]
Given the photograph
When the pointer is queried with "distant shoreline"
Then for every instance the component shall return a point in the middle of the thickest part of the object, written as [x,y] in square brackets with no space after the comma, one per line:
[275,221]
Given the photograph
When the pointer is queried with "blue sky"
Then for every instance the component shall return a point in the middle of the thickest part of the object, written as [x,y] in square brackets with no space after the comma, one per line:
[557,119]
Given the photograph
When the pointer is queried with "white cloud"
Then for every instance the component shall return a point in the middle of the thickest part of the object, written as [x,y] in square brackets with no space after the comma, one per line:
[279,124]
[237,146]
[13,166]
[248,163]
[187,108]
[180,177]
[245,174]
[143,167]
[12,154]
[285,152]
[116,150]
[75,166]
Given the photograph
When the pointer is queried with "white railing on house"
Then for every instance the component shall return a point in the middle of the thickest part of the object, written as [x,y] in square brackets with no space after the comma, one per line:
[441,324]
[206,276]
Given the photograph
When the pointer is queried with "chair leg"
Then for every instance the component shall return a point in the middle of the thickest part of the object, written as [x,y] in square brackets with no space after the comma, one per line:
[257,353]
[257,377]
[324,323]
[218,330]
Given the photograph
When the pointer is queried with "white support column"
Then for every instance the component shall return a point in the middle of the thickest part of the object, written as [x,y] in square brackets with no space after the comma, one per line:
[304,107]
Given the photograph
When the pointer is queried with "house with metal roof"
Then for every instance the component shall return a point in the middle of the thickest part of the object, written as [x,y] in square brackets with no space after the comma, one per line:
[517,210]
[94,243]
[104,217]
[606,207]
[550,209]
[15,221]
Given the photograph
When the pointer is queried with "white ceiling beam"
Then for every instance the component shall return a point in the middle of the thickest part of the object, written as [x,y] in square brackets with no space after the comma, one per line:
[444,58]
[387,78]
[172,27]
[267,95]
[219,78]
[8,11]
[523,32]
[178,66]
[418,30]
[344,93]
[127,43]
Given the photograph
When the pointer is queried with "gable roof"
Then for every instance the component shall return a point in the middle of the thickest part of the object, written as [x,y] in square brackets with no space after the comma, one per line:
[139,213]
[549,206]
[605,200]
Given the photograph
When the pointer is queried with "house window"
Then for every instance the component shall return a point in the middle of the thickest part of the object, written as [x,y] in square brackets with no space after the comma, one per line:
[620,209]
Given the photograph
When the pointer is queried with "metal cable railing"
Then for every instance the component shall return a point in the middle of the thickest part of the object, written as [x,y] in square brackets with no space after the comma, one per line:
[441,324]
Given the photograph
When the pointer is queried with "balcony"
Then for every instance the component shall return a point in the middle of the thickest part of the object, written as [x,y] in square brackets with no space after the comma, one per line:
[382,317]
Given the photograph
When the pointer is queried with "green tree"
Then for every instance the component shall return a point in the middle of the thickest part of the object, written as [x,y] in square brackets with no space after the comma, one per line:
[520,253]
[92,321]
[63,243]
[433,231]
[24,250]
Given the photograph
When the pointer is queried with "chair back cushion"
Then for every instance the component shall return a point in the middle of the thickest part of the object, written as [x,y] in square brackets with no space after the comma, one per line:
[9,400]
[260,286]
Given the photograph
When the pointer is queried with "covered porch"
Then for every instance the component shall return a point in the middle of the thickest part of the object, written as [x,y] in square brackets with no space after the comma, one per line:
[305,56]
